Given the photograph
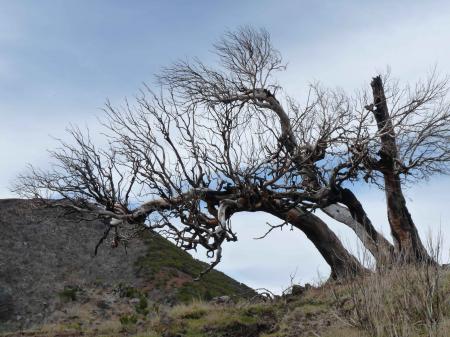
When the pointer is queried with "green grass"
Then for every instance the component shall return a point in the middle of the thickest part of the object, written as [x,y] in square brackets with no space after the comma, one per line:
[69,293]
[168,262]
[328,311]
[203,319]
[128,319]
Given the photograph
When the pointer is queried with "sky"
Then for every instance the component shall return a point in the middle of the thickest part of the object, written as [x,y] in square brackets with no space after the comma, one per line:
[61,60]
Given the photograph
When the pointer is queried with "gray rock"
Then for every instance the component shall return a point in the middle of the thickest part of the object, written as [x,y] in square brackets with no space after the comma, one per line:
[134,301]
[43,251]
[221,300]
[6,305]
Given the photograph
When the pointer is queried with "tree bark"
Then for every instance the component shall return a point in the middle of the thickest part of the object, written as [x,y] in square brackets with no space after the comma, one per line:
[342,214]
[355,217]
[342,263]
[407,240]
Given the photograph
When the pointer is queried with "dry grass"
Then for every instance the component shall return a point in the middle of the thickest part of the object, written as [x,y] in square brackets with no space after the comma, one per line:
[399,301]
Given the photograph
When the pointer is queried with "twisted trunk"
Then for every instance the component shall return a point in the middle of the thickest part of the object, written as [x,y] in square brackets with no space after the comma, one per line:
[380,248]
[342,263]
[355,216]
[378,245]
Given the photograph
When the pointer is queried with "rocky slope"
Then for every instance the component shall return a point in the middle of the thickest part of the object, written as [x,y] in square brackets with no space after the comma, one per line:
[48,272]
[51,286]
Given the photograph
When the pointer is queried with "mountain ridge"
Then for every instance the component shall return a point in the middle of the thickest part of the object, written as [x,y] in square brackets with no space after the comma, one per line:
[47,265]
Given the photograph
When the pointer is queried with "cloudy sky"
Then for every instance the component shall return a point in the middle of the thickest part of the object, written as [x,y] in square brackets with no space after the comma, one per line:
[60,61]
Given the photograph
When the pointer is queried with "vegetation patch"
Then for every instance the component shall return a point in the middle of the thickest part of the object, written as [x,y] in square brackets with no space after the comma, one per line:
[407,302]
[128,291]
[69,293]
[142,306]
[170,267]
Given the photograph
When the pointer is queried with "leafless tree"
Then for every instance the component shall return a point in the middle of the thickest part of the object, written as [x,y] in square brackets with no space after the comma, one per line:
[213,141]
[410,143]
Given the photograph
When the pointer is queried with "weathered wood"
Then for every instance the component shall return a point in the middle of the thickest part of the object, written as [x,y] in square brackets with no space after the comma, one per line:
[356,218]
[342,263]
[409,247]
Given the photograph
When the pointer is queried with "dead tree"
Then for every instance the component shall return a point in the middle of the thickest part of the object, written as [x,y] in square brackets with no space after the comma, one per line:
[410,143]
[215,141]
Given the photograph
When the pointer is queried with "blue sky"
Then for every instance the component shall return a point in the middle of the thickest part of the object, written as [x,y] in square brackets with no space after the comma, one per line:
[60,61]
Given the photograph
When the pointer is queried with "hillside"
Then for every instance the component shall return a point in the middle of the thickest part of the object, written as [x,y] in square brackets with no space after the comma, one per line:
[48,272]
[406,302]
[52,286]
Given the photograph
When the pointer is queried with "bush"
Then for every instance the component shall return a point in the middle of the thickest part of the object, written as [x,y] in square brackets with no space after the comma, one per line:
[142,306]
[69,294]
[127,291]
[127,320]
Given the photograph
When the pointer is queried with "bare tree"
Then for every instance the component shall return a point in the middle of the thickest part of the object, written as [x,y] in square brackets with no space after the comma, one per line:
[410,143]
[215,141]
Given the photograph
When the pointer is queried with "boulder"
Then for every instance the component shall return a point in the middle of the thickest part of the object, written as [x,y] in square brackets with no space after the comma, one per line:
[222,300]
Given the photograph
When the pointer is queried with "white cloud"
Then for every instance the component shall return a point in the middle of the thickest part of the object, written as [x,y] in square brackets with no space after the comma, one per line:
[346,52]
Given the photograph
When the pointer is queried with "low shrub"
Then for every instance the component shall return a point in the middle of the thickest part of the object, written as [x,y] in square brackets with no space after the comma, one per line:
[69,293]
